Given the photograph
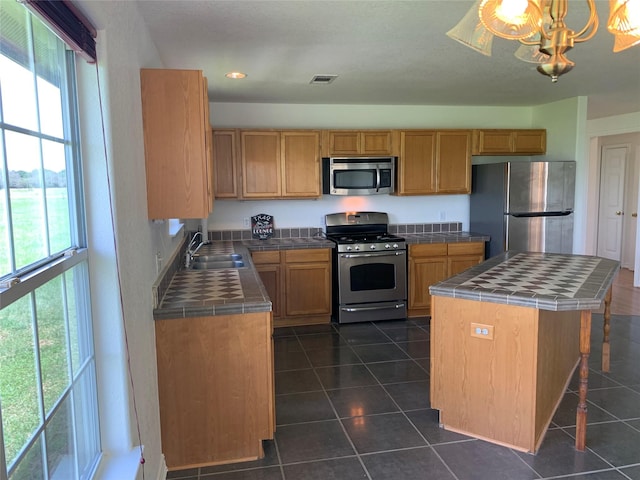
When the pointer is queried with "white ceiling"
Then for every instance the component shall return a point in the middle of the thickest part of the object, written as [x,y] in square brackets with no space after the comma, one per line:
[384,52]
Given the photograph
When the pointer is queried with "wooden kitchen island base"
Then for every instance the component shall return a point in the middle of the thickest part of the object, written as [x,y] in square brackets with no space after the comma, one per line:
[506,336]
[500,371]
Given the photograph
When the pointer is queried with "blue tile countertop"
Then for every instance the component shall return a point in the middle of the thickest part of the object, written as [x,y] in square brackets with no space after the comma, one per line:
[544,281]
[183,293]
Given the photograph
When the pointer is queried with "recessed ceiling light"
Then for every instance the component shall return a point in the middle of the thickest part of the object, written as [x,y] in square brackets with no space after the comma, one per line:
[235,75]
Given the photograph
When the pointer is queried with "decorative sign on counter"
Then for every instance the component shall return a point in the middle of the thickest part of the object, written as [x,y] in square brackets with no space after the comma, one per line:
[262,226]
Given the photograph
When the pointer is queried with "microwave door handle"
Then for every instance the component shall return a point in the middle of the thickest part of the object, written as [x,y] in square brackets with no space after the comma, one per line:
[377,179]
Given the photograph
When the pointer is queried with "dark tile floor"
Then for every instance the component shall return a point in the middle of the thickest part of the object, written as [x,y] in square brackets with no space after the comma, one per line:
[352,402]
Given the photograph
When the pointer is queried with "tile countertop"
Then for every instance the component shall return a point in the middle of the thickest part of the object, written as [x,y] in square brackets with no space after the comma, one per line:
[545,281]
[444,237]
[200,293]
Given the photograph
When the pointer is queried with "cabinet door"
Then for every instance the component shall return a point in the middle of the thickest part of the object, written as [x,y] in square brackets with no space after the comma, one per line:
[460,263]
[300,164]
[224,163]
[178,175]
[416,166]
[271,279]
[260,164]
[533,142]
[208,144]
[354,142]
[453,151]
[510,141]
[423,272]
[493,141]
[344,143]
[464,255]
[307,289]
[375,143]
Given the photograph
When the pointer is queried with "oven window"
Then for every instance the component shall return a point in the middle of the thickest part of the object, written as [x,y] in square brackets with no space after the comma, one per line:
[355,178]
[373,276]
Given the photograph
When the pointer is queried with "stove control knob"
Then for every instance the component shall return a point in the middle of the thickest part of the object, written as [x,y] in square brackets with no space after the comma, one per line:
[372,247]
[395,245]
[387,246]
[357,247]
[349,248]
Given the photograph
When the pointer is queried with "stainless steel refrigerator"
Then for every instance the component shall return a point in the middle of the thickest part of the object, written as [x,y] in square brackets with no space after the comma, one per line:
[524,206]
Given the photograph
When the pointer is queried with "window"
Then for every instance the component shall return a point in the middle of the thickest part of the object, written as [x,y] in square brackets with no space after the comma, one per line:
[48,406]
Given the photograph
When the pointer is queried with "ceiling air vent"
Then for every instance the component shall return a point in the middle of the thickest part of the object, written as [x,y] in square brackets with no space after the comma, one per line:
[323,79]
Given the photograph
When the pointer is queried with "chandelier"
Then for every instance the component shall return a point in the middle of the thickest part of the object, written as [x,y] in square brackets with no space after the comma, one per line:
[539,26]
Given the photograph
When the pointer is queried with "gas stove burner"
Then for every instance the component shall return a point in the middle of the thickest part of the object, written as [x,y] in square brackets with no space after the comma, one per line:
[372,238]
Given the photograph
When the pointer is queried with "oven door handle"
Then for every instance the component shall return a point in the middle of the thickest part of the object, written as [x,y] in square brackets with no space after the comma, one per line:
[363,309]
[380,254]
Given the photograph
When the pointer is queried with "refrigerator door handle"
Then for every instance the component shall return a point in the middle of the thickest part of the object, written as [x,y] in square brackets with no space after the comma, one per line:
[563,213]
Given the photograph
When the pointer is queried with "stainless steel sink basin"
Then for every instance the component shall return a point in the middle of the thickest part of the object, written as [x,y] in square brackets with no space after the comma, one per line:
[217,265]
[214,262]
[217,258]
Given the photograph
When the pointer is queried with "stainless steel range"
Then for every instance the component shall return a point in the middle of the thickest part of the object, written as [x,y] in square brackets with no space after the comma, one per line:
[369,268]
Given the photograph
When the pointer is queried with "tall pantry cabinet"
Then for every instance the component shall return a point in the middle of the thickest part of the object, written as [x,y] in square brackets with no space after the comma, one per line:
[177,143]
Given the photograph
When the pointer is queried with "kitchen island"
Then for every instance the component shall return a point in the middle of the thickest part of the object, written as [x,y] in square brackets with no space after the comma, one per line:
[506,337]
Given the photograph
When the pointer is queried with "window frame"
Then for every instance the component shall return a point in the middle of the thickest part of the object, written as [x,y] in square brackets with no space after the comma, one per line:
[23,282]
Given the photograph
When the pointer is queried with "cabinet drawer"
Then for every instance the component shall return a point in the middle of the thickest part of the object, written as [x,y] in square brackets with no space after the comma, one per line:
[465,248]
[428,249]
[307,255]
[267,257]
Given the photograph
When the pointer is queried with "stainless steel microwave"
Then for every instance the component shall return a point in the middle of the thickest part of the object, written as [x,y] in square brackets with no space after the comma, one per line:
[358,175]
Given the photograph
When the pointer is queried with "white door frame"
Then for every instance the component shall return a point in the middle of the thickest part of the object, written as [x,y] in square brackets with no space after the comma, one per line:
[622,197]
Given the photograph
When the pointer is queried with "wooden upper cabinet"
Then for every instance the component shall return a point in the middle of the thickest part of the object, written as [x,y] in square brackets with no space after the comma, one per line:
[300,152]
[530,141]
[416,173]
[453,152]
[224,163]
[177,143]
[357,142]
[261,165]
[434,162]
[280,164]
[509,142]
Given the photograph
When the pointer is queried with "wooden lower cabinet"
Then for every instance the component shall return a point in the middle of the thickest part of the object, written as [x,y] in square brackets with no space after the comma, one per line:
[298,283]
[216,388]
[430,263]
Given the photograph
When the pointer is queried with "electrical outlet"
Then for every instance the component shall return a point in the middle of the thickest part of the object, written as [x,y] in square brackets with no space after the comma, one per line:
[483,331]
[246,222]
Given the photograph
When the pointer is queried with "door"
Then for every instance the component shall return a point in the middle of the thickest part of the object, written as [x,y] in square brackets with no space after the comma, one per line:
[611,209]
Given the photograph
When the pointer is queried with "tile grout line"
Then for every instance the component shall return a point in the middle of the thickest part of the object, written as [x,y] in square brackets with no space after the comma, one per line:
[335,412]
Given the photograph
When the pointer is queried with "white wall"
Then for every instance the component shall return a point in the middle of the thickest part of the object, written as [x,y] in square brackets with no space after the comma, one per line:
[229,214]
[122,299]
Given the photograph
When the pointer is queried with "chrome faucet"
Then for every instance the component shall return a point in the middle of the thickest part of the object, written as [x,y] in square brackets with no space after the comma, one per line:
[188,256]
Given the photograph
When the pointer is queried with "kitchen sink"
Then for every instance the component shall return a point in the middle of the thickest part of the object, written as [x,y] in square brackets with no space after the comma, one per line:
[213,262]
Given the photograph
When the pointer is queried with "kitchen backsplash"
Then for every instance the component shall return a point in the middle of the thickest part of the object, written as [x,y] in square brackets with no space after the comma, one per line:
[314,231]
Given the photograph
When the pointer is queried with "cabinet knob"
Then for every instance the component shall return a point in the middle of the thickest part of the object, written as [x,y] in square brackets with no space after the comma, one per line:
[634,214]
[619,212]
